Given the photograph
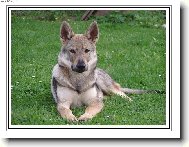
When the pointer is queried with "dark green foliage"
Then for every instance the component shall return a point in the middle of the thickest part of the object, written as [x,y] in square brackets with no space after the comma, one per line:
[141,18]
[49,15]
[155,18]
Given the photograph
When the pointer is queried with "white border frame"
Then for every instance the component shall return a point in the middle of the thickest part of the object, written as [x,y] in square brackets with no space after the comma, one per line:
[173,132]
[99,126]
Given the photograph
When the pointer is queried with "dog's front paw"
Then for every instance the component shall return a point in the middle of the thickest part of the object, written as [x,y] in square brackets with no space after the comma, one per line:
[71,118]
[85,117]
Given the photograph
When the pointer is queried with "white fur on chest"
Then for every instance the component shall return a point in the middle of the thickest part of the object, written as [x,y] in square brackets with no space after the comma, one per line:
[67,95]
[85,97]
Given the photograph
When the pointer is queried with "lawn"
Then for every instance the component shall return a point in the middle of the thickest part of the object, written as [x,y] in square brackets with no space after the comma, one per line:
[133,55]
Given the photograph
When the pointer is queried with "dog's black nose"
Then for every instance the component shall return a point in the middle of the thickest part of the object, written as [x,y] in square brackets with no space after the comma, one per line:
[80,66]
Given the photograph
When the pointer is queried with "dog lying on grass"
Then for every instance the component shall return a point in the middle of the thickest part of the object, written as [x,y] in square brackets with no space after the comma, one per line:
[76,80]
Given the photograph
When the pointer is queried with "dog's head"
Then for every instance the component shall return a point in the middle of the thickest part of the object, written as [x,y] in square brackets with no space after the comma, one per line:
[79,50]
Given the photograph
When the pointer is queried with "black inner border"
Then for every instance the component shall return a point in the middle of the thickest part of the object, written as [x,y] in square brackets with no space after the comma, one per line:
[88,6]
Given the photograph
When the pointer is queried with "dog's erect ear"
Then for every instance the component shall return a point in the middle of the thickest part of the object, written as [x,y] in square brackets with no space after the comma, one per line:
[66,32]
[93,32]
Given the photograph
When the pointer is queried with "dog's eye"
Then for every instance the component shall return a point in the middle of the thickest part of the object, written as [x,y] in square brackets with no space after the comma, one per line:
[87,50]
[72,51]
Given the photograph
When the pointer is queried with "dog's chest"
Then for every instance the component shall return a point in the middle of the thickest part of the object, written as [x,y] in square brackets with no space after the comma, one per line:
[84,97]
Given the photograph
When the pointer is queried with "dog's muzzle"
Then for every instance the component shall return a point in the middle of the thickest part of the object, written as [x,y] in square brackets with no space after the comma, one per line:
[79,67]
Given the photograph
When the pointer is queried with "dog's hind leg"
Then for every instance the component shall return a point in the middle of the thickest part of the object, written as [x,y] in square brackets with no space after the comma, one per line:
[108,85]
[116,89]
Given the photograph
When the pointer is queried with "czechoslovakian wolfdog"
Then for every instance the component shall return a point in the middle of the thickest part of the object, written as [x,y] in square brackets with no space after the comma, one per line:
[76,80]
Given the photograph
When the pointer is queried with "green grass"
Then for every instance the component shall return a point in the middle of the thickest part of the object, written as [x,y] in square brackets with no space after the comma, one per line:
[134,56]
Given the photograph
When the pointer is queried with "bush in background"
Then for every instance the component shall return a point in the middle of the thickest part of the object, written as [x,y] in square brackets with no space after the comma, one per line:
[145,18]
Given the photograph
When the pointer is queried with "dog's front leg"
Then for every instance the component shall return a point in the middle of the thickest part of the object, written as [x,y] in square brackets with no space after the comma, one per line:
[65,112]
[64,100]
[92,109]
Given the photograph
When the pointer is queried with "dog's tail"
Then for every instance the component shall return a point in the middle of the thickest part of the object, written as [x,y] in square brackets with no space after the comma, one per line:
[138,91]
[117,89]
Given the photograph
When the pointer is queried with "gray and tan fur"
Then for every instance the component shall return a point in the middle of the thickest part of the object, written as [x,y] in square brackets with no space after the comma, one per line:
[75,79]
